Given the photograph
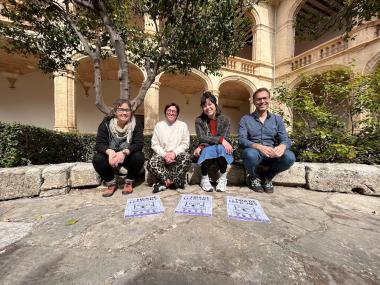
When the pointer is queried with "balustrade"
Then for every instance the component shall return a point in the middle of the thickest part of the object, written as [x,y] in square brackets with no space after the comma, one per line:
[240,65]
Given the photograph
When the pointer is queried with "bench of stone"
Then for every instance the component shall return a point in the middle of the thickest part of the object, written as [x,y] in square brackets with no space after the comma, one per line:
[50,180]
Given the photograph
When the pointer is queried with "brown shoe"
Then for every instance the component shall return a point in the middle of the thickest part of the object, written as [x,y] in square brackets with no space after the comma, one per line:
[128,188]
[109,191]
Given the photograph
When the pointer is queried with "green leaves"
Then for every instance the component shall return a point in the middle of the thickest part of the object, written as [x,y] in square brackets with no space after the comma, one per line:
[335,116]
[71,221]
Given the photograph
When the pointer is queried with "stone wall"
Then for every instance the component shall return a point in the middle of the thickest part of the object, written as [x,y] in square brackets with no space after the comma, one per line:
[50,180]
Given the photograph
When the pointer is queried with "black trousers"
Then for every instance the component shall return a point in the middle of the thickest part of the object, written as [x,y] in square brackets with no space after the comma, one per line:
[220,162]
[133,162]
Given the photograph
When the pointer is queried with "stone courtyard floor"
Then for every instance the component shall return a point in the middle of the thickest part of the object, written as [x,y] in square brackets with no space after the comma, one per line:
[82,238]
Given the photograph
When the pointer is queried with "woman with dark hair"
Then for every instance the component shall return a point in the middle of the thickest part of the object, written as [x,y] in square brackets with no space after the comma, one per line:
[119,142]
[170,142]
[213,131]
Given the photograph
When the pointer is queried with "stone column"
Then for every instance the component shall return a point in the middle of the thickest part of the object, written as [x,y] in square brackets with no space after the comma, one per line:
[263,42]
[64,102]
[285,41]
[216,93]
[251,106]
[151,107]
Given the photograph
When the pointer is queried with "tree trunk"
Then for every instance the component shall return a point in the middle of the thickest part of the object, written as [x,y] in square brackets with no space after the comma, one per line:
[141,96]
[98,88]
[119,46]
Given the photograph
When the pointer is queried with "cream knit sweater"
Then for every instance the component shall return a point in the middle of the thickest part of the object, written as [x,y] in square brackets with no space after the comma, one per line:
[174,137]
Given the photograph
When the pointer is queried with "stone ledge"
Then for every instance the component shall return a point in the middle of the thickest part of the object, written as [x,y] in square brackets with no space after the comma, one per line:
[20,182]
[84,175]
[343,177]
[59,179]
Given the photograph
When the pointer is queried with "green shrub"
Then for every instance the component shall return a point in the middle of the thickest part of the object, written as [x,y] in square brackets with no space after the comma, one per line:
[23,145]
[335,117]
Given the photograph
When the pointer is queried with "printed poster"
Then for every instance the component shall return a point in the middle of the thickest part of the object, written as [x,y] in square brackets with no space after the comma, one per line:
[245,209]
[195,205]
[143,206]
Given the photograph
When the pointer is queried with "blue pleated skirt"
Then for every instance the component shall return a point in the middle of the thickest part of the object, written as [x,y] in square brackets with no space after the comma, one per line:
[215,151]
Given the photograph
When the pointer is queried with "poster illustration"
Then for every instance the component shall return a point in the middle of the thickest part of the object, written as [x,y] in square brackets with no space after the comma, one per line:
[143,206]
[195,205]
[245,209]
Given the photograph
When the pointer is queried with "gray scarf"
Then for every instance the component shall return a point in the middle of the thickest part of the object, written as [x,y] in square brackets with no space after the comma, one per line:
[121,137]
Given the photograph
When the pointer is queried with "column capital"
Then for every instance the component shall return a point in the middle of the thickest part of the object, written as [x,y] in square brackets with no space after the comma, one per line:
[216,93]
[155,85]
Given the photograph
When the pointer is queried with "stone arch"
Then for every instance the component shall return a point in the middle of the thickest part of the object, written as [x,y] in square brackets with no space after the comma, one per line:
[31,95]
[235,93]
[205,79]
[294,9]
[317,70]
[372,64]
[244,81]
[338,107]
[255,17]
[185,90]
[80,57]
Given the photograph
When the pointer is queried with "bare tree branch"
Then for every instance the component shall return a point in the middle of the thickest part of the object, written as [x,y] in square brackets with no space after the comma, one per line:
[119,46]
[98,81]
[85,4]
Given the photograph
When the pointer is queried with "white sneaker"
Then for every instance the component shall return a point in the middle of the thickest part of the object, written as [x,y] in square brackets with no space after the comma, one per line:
[206,185]
[222,183]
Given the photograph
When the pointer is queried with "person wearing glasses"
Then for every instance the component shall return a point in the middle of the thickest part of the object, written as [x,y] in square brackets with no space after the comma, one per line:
[170,143]
[264,140]
[213,132]
[119,143]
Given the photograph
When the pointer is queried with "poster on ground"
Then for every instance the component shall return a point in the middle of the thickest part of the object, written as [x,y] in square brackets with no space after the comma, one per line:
[245,209]
[195,205]
[143,206]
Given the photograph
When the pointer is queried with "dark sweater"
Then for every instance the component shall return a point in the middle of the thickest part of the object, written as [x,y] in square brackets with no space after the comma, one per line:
[203,130]
[103,137]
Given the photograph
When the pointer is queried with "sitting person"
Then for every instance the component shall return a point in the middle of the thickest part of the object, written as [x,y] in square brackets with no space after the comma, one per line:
[119,142]
[170,142]
[258,133]
[213,131]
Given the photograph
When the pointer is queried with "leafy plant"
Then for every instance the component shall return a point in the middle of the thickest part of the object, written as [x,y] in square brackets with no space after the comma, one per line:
[335,116]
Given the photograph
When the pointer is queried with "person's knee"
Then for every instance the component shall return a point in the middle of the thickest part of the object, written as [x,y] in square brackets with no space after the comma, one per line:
[288,158]
[99,159]
[138,155]
[251,155]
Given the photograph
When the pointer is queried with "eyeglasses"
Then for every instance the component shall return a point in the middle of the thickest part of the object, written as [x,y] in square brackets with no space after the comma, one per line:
[262,99]
[171,112]
[121,110]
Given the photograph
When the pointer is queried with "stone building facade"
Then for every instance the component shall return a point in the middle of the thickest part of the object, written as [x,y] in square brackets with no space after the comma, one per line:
[271,55]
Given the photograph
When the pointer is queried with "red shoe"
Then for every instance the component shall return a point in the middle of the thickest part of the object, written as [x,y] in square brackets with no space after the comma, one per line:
[128,188]
[109,191]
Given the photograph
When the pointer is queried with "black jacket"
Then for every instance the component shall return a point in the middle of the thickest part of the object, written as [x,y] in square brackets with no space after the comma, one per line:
[203,131]
[103,137]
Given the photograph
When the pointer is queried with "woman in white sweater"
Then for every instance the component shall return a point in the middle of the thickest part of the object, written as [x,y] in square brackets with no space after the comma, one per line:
[170,142]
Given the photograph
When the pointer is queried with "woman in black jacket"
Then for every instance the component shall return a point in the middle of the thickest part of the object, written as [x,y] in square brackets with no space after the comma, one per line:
[119,142]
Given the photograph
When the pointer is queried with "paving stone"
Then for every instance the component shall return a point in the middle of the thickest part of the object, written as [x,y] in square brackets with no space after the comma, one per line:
[12,232]
[54,192]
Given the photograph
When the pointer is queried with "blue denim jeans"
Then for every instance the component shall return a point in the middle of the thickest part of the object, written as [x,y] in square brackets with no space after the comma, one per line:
[252,158]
